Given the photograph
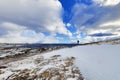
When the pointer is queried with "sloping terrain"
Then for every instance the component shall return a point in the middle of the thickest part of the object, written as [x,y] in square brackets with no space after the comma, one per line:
[40,67]
[93,62]
[96,62]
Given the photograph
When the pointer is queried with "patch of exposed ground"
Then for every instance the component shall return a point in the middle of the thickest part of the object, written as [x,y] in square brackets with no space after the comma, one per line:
[41,68]
[11,54]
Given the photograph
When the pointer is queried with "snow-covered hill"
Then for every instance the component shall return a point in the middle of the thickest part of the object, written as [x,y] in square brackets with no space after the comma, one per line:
[95,62]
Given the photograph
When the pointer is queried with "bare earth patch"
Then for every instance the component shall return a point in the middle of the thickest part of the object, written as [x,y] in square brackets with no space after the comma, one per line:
[40,68]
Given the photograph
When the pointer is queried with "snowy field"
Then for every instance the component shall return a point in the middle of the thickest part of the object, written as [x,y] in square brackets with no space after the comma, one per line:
[95,62]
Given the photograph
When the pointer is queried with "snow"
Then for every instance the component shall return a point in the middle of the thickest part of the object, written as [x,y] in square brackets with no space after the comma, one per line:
[45,68]
[71,79]
[5,75]
[96,62]
[38,65]
[11,52]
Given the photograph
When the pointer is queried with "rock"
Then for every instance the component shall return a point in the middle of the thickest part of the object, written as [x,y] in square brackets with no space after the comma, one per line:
[1,72]
[2,67]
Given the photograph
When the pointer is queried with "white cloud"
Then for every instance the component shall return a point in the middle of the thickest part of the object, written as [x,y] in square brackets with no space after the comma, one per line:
[115,23]
[94,31]
[68,25]
[80,17]
[7,28]
[95,19]
[36,15]
[21,34]
[40,15]
[107,2]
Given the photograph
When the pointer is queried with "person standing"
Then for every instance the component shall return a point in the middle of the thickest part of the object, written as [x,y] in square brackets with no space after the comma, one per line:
[78,41]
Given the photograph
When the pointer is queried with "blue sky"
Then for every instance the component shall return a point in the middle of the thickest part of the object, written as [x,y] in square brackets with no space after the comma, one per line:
[58,21]
[68,5]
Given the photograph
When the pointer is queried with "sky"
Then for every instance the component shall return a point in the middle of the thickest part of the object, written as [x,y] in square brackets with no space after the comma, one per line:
[58,21]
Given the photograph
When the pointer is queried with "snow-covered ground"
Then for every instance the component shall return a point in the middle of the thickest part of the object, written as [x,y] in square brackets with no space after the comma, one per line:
[96,62]
[41,67]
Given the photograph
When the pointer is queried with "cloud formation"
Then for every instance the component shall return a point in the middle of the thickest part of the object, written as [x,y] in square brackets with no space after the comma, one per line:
[42,20]
[101,17]
[107,2]
[40,16]
[14,33]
